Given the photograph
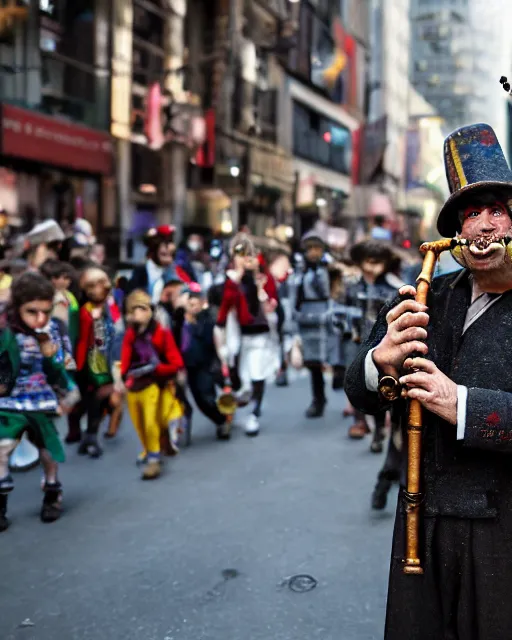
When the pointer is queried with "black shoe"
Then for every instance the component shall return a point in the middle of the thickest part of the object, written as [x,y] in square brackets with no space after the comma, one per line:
[316,410]
[51,509]
[224,431]
[338,380]
[73,438]
[90,447]
[376,446]
[282,379]
[4,522]
[380,494]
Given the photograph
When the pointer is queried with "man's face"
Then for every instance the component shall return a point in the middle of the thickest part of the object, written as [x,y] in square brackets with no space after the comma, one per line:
[194,305]
[96,285]
[484,226]
[372,268]
[164,254]
[140,316]
[62,283]
[314,252]
[171,293]
[36,314]
[98,254]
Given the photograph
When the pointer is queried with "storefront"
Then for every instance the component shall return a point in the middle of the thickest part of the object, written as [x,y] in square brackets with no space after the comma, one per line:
[54,169]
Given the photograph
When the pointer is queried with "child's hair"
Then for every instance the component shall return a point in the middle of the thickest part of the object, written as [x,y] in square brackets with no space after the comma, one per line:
[335,278]
[52,268]
[30,286]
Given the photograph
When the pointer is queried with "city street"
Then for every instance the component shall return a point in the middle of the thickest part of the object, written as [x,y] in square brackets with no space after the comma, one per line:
[207,551]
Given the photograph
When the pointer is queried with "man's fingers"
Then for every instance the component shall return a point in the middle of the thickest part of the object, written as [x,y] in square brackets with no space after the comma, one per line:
[403,307]
[408,319]
[407,290]
[414,347]
[420,363]
[417,379]
[413,333]
[417,394]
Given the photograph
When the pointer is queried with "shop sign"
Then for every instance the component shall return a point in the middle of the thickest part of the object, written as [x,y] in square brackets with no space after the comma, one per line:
[30,135]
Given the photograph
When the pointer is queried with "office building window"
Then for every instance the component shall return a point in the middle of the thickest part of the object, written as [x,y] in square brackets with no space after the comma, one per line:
[321,140]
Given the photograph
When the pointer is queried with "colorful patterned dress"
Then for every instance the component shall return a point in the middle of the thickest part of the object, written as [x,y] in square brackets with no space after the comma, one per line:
[36,382]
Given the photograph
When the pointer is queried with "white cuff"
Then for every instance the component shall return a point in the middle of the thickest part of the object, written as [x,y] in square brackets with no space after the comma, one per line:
[462,399]
[371,373]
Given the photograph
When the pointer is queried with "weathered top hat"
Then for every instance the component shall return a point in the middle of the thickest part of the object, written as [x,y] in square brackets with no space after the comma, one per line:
[474,163]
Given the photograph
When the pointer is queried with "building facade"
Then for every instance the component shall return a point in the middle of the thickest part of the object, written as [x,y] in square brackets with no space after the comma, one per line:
[56,154]
[442,59]
[322,105]
[380,144]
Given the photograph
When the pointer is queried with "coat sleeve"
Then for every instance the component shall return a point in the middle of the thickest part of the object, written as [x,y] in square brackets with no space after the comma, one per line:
[229,298]
[84,334]
[126,352]
[355,383]
[488,420]
[173,360]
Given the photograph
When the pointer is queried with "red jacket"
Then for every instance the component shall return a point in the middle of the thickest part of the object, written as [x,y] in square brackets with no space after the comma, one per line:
[165,346]
[233,298]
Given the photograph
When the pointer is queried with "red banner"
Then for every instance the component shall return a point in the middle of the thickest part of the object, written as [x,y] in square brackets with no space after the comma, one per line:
[30,135]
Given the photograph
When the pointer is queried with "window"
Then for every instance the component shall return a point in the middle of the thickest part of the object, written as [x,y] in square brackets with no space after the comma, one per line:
[148,25]
[148,64]
[321,140]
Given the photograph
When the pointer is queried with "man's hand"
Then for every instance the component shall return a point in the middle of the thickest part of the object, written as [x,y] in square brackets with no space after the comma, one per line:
[406,330]
[431,387]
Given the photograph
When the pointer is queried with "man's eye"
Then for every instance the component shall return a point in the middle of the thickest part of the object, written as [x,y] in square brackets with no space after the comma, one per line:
[472,214]
[497,212]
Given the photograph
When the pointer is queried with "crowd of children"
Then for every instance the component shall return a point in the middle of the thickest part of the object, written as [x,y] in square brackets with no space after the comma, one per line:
[74,344]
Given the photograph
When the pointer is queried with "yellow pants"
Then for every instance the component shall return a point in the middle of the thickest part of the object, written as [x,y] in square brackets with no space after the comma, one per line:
[151,410]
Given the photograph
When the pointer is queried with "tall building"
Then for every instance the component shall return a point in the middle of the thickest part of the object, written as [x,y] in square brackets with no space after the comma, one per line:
[322,105]
[381,142]
[243,175]
[56,157]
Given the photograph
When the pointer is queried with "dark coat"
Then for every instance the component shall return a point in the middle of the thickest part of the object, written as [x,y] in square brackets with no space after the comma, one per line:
[469,480]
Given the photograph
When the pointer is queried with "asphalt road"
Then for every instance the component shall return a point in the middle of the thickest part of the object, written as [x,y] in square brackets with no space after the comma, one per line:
[206,551]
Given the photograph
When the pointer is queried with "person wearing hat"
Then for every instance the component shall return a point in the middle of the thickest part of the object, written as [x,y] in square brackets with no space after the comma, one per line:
[246,326]
[159,259]
[320,344]
[150,360]
[453,356]
[42,242]
[375,286]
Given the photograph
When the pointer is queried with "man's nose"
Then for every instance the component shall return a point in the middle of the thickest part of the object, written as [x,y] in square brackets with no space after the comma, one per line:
[488,221]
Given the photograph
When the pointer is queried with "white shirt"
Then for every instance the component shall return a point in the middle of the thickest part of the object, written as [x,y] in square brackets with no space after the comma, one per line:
[480,303]
[155,280]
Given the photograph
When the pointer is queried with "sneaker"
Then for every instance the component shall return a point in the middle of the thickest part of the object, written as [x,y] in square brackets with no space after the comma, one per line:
[252,425]
[90,447]
[152,469]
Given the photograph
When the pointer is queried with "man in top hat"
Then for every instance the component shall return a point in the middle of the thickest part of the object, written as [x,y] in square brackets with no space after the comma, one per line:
[462,377]
[151,276]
